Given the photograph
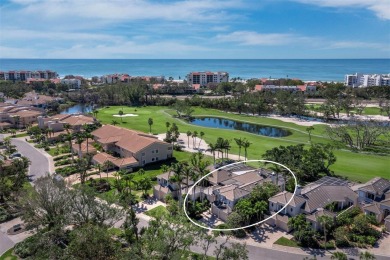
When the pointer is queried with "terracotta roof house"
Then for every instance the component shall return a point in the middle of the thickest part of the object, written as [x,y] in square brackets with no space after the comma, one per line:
[127,143]
[18,116]
[57,122]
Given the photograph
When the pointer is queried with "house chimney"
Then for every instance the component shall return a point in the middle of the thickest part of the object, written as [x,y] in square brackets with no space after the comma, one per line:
[299,190]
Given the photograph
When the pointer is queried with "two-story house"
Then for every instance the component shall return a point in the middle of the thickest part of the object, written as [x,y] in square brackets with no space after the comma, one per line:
[318,198]
[119,142]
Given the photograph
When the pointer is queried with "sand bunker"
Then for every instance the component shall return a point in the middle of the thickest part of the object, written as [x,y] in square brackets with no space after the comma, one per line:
[125,115]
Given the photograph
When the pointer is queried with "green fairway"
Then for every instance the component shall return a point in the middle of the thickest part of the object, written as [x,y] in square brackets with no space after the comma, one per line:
[358,167]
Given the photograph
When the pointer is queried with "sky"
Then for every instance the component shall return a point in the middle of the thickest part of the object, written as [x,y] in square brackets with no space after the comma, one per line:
[195,29]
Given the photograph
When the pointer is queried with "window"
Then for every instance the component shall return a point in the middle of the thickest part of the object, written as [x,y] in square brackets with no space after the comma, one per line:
[272,204]
[291,209]
[156,158]
[152,151]
[143,154]
[156,150]
[153,159]
[370,196]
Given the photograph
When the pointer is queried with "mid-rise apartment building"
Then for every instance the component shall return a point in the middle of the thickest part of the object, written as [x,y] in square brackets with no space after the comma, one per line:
[23,75]
[366,80]
[205,77]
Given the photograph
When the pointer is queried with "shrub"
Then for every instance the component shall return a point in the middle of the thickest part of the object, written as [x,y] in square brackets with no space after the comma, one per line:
[4,215]
[26,248]
[340,236]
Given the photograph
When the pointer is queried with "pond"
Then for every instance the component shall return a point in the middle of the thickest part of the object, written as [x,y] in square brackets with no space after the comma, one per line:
[247,127]
[79,108]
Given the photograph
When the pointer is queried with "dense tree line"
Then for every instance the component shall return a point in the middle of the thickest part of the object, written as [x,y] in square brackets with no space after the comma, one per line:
[307,164]
[73,224]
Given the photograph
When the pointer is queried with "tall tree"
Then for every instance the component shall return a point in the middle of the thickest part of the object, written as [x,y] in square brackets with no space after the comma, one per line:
[239,142]
[189,133]
[327,223]
[120,113]
[150,123]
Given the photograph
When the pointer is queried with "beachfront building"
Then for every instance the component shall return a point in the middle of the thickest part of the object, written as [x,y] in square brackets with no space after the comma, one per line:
[366,80]
[302,88]
[202,78]
[73,83]
[127,149]
[25,75]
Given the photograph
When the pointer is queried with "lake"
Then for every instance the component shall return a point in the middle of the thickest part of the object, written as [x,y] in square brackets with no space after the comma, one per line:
[236,125]
[79,108]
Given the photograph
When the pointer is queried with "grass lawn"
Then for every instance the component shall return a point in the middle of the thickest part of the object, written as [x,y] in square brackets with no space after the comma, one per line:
[8,255]
[283,241]
[368,111]
[20,135]
[157,211]
[358,167]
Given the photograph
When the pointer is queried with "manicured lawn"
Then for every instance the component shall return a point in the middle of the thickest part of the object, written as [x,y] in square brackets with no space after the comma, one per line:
[8,255]
[283,241]
[157,212]
[20,135]
[366,111]
[358,167]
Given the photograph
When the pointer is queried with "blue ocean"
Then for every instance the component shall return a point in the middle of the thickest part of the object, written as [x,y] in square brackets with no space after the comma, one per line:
[305,69]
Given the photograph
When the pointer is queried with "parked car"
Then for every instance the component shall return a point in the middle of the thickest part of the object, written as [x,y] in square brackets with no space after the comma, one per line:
[15,155]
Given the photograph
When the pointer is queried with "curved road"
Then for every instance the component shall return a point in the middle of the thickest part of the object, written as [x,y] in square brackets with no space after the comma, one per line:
[40,163]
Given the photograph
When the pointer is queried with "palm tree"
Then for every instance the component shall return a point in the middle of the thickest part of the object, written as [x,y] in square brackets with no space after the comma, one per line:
[177,177]
[114,122]
[194,135]
[121,114]
[246,145]
[150,123]
[67,127]
[141,172]
[164,168]
[366,256]
[145,184]
[87,136]
[107,165]
[188,138]
[68,138]
[201,134]
[212,149]
[128,178]
[226,146]
[79,141]
[219,146]
[309,129]
[167,124]
[339,256]
[99,167]
[327,223]
[239,142]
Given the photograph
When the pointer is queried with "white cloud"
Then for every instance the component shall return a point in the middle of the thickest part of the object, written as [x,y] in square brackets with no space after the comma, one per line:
[255,38]
[358,44]
[130,9]
[380,7]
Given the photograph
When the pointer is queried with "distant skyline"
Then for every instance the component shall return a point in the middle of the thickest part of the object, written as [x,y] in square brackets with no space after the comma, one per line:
[195,29]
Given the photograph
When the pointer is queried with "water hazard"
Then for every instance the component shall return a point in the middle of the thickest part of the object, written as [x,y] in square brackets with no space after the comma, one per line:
[236,125]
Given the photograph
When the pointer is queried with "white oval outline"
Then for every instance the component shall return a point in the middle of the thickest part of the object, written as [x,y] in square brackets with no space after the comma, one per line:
[260,222]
